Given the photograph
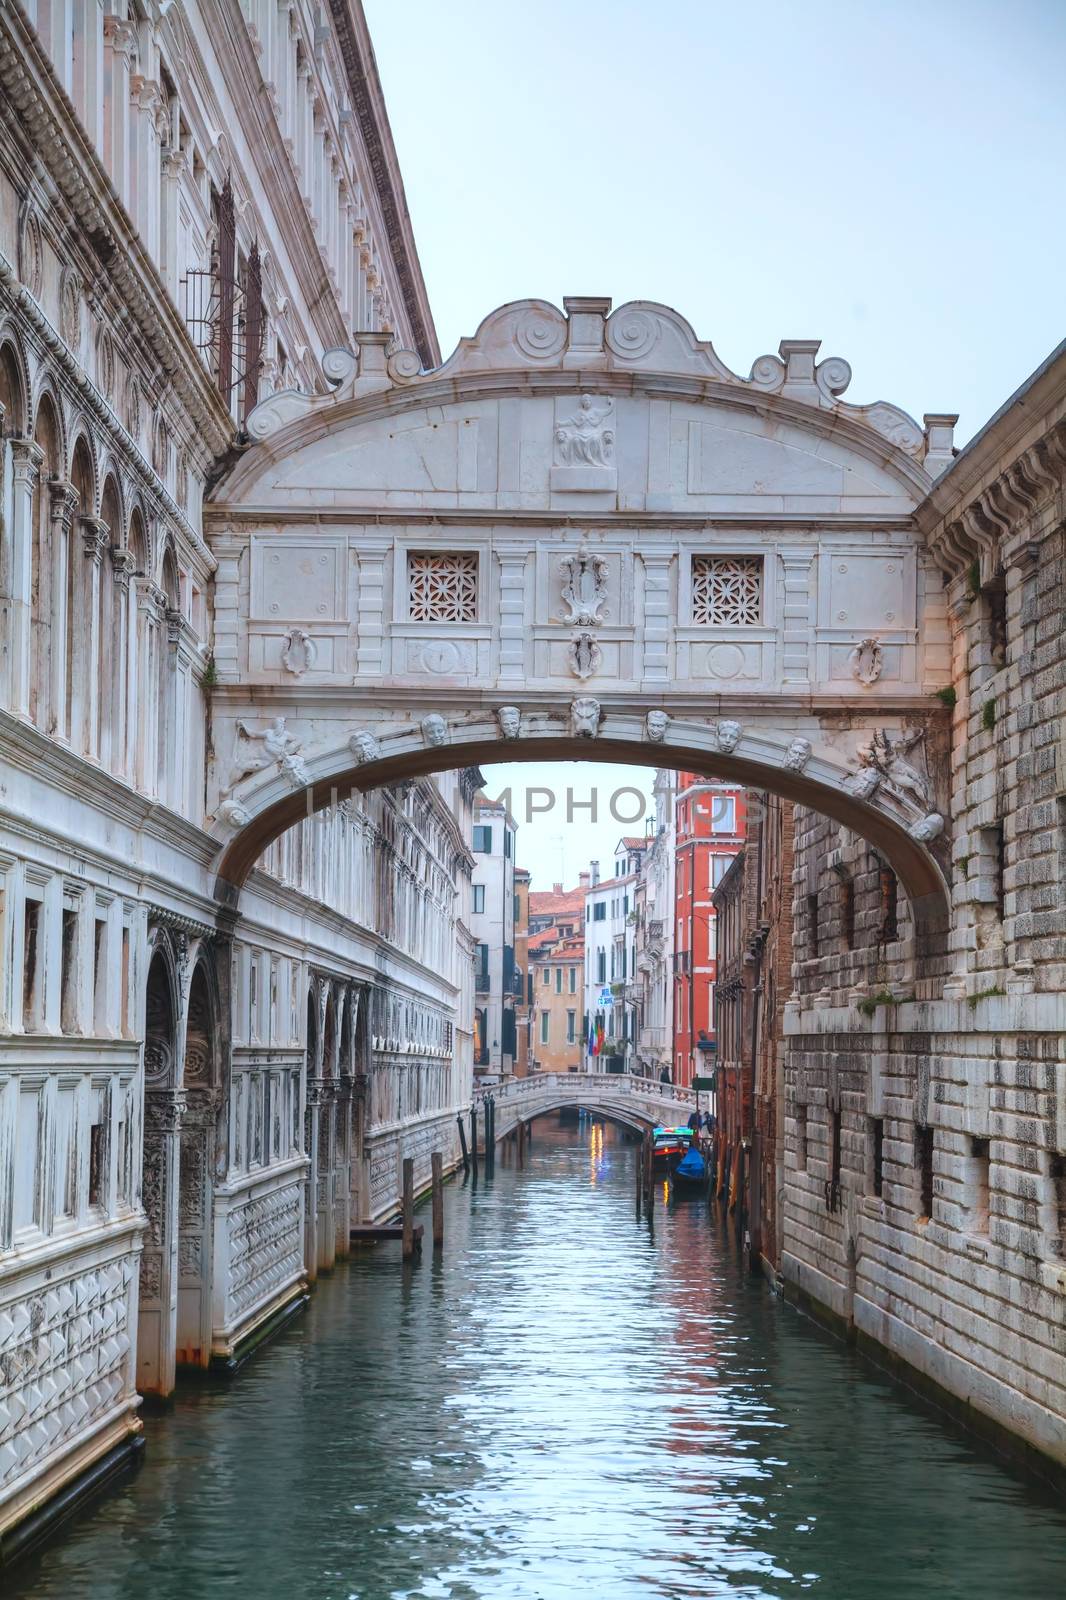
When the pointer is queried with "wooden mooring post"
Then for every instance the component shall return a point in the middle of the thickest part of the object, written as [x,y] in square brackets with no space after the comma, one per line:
[490,1136]
[462,1143]
[436,1162]
[639,1167]
[473,1140]
[408,1208]
[521,1143]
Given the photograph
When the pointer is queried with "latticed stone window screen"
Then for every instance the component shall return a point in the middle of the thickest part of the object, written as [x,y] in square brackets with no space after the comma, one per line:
[726,590]
[442,587]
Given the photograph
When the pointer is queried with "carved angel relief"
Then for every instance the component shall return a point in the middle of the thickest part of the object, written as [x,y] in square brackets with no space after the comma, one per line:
[886,756]
[584,446]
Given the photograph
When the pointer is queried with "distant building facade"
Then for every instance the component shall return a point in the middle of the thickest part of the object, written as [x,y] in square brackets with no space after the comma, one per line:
[653,944]
[610,960]
[492,923]
[523,990]
[708,832]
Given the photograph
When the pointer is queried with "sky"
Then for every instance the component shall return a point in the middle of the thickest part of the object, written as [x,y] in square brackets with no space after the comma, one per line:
[570,813]
[885,175]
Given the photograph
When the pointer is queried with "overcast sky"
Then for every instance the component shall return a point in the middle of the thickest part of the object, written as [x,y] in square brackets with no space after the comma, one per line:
[887,177]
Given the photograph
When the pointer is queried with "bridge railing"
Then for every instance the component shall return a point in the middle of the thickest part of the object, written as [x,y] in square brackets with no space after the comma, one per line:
[603,1085]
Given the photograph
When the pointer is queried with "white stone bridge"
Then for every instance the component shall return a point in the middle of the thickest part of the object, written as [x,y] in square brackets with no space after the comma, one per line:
[637,1103]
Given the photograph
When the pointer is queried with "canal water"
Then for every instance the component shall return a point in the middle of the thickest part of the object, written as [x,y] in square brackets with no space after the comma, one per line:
[568,1405]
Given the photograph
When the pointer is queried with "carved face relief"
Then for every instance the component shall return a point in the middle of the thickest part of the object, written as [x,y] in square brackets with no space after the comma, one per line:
[656,724]
[233,814]
[434,730]
[364,747]
[585,717]
[929,828]
[864,784]
[727,733]
[798,754]
[509,719]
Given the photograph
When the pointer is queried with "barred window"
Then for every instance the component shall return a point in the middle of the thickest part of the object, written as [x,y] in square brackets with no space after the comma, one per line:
[726,590]
[442,587]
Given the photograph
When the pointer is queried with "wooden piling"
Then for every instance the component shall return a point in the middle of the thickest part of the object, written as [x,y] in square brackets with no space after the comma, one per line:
[639,1168]
[490,1136]
[473,1139]
[408,1208]
[437,1167]
[521,1143]
[462,1142]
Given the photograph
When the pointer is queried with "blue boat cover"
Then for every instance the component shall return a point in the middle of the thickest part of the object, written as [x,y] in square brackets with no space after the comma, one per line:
[693,1166]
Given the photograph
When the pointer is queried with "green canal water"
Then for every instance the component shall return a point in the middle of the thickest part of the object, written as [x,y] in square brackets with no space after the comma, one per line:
[568,1405]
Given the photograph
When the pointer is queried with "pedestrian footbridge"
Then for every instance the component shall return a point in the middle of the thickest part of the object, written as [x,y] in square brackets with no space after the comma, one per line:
[637,1103]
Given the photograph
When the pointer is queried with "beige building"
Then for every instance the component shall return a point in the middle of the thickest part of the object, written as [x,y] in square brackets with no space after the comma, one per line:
[557,972]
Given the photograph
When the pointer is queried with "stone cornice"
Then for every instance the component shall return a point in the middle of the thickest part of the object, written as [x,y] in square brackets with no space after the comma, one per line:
[51,123]
[1015,466]
[28,750]
[368,105]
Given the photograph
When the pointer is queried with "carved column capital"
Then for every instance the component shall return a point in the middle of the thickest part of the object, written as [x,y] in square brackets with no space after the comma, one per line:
[152,599]
[63,501]
[26,458]
[164,1110]
[120,36]
[123,565]
[96,537]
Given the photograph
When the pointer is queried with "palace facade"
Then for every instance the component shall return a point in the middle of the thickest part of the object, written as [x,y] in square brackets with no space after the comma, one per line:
[196,202]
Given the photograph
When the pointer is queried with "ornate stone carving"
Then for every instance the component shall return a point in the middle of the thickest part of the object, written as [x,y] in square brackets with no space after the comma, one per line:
[887,755]
[928,828]
[295,771]
[364,747]
[584,588]
[585,717]
[727,735]
[656,725]
[278,745]
[585,438]
[70,309]
[30,250]
[540,334]
[863,784]
[96,537]
[434,730]
[299,652]
[867,661]
[233,814]
[509,720]
[586,657]
[797,755]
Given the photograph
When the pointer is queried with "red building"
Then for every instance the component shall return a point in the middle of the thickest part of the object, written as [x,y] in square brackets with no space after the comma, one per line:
[709,830]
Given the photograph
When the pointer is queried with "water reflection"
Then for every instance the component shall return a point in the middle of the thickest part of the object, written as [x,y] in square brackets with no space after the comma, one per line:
[570,1404]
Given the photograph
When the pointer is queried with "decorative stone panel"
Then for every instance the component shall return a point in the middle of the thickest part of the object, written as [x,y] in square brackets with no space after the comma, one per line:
[265,1247]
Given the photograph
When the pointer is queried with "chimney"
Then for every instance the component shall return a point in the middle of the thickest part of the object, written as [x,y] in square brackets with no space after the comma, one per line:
[594,868]
[557,888]
[583,879]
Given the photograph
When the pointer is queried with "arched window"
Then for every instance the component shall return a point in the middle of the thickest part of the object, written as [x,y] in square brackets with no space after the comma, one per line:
[79,598]
[47,436]
[108,671]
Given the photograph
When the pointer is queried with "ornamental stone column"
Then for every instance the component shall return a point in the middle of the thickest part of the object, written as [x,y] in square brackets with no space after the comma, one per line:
[120,41]
[85,719]
[26,458]
[164,1110]
[63,500]
[123,563]
[151,610]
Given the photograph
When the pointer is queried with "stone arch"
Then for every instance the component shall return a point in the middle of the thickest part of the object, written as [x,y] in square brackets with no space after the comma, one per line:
[200,1083]
[109,619]
[14,386]
[83,468]
[155,1347]
[45,580]
[783,760]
